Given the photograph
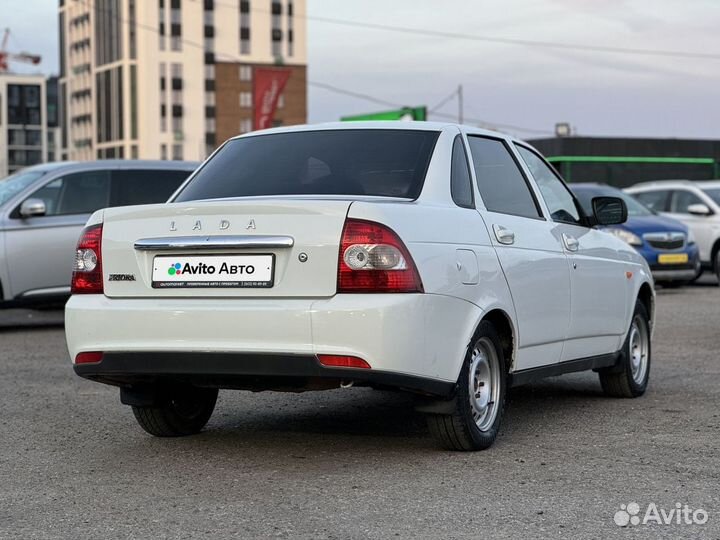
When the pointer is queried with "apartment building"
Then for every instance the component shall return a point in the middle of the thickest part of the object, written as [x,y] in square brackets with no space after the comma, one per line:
[23,122]
[172,79]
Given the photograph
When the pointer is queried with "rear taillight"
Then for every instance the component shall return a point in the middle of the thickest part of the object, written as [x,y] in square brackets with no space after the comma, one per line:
[87,272]
[373,259]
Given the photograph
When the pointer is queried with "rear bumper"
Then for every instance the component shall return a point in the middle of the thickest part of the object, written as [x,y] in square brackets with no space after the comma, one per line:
[409,340]
[245,371]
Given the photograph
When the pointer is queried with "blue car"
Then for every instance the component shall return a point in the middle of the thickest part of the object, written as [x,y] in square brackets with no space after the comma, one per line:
[667,245]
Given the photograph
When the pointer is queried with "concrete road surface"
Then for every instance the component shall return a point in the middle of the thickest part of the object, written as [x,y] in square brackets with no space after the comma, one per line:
[359,463]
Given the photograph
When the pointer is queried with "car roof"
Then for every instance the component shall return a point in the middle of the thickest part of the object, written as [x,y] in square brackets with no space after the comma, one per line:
[662,183]
[115,164]
[377,124]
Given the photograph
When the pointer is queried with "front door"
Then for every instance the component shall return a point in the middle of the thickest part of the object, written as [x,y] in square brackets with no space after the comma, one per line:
[598,282]
[40,250]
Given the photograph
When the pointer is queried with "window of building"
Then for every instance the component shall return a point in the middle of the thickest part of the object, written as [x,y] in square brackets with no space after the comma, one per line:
[209,125]
[209,71]
[163,151]
[245,99]
[502,186]
[245,73]
[209,99]
[176,70]
[177,152]
[176,43]
[245,125]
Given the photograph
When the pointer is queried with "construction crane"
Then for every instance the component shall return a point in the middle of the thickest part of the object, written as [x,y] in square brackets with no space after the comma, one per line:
[6,56]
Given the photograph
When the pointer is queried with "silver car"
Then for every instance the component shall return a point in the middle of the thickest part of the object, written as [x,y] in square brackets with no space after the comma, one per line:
[44,208]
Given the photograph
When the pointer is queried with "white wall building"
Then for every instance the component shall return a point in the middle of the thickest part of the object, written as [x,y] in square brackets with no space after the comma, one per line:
[138,76]
[23,124]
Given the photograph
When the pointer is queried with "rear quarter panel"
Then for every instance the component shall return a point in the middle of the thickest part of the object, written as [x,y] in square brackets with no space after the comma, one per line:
[439,237]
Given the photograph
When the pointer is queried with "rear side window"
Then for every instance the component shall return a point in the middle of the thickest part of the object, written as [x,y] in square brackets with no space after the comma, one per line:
[501,183]
[375,162]
[131,187]
[460,181]
[654,200]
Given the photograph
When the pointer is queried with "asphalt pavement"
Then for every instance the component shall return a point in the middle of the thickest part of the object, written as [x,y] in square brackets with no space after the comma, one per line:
[359,463]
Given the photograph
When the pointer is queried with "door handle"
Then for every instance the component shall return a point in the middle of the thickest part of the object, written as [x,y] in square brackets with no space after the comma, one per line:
[503,235]
[571,243]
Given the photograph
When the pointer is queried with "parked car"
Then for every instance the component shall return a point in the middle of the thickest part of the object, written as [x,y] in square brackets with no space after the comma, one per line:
[443,260]
[696,204]
[667,245]
[43,210]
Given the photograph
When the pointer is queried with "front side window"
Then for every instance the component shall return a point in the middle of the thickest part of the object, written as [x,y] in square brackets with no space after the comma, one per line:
[656,200]
[681,199]
[373,162]
[556,195]
[79,193]
[460,181]
[502,186]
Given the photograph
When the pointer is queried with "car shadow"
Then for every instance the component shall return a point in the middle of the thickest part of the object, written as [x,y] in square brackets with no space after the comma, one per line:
[363,419]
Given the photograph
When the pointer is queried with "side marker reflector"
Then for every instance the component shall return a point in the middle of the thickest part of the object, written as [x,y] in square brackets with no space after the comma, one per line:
[333,360]
[89,358]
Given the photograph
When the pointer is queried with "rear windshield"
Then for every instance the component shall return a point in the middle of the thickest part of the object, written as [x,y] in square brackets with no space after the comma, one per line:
[384,163]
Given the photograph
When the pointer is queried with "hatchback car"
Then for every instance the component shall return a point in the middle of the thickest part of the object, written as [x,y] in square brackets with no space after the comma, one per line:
[438,259]
[666,244]
[696,204]
[43,210]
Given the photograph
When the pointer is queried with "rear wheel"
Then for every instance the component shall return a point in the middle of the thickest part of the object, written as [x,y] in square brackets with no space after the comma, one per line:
[479,404]
[629,379]
[182,411]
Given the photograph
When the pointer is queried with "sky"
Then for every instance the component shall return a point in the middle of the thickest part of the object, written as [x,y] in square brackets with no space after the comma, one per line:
[528,87]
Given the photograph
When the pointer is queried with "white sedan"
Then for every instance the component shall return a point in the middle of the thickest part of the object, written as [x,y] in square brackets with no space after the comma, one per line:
[438,259]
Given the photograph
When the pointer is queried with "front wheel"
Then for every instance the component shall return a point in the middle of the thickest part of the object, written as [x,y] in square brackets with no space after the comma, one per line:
[479,404]
[629,378]
[183,410]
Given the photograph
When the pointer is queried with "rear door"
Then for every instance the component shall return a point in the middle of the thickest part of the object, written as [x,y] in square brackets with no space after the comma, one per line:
[40,249]
[529,251]
[598,284]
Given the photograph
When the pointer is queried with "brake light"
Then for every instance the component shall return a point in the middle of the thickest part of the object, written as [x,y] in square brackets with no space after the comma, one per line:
[87,272]
[334,360]
[373,259]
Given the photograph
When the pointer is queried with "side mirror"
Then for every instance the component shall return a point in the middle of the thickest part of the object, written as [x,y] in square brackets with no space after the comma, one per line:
[609,210]
[33,208]
[699,209]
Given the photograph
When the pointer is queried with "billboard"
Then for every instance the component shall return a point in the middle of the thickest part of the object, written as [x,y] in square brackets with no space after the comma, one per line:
[406,113]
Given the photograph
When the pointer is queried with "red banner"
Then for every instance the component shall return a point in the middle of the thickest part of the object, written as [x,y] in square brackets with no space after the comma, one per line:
[269,84]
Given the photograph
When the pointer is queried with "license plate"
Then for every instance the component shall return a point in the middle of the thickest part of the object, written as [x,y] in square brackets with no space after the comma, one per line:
[673,258]
[210,271]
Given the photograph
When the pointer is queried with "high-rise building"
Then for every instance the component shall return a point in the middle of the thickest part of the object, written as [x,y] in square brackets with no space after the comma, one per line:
[23,123]
[172,79]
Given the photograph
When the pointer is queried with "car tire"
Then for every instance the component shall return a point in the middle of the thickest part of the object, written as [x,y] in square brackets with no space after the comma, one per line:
[182,411]
[717,266]
[629,378]
[479,404]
